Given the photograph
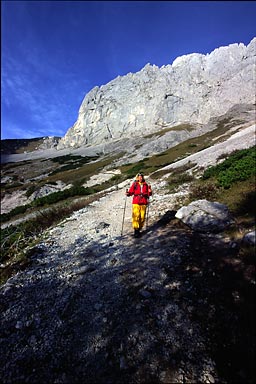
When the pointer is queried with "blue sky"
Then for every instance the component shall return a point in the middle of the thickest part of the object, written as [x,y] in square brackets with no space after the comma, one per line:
[55,52]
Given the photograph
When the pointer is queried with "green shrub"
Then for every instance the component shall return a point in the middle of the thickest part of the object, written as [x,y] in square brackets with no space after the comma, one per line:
[31,190]
[71,162]
[55,197]
[65,159]
[67,167]
[14,241]
[116,178]
[52,198]
[13,185]
[135,169]
[15,211]
[239,166]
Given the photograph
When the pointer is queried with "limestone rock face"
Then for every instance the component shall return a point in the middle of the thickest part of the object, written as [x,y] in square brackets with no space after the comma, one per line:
[49,142]
[193,89]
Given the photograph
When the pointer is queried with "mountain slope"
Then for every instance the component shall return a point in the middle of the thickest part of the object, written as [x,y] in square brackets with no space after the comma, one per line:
[97,307]
[192,90]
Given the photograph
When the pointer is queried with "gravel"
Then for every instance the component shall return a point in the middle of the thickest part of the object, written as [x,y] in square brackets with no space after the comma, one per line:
[98,307]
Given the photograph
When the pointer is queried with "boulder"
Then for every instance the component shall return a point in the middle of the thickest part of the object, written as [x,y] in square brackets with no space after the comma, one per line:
[250,238]
[205,216]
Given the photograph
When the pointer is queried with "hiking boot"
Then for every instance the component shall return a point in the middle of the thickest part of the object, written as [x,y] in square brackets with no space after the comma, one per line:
[136,232]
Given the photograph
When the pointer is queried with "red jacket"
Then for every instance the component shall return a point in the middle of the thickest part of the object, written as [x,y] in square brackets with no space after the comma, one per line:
[140,192]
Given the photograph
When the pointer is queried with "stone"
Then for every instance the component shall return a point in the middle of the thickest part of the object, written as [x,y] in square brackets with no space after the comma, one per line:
[205,216]
[19,325]
[249,238]
[101,226]
[145,293]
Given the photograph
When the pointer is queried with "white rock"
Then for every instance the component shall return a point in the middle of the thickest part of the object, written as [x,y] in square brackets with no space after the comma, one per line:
[250,238]
[204,216]
[193,89]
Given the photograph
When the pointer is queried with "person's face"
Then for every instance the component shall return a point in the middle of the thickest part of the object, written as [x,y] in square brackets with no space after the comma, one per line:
[140,178]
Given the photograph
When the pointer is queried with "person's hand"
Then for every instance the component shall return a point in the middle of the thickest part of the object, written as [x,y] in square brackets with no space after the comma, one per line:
[127,192]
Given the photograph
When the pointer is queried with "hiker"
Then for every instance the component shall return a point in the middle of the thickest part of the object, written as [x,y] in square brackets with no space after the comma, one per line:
[140,191]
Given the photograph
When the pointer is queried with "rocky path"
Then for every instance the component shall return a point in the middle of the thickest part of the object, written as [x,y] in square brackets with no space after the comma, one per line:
[95,307]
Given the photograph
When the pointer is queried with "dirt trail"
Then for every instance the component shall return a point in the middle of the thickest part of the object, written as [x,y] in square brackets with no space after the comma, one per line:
[96,307]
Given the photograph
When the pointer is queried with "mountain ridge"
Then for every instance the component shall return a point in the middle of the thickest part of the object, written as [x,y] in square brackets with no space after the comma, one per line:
[236,99]
[194,89]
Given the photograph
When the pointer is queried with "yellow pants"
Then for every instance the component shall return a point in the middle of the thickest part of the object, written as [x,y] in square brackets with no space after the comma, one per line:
[138,215]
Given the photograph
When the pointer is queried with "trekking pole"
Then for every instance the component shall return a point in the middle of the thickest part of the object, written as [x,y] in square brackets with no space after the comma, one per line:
[147,214]
[124,214]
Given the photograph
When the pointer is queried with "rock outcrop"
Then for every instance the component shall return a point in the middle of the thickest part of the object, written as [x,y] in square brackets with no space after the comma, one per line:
[49,142]
[205,216]
[193,89]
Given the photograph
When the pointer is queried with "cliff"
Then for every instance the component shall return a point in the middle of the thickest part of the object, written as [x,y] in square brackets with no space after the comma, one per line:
[193,89]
